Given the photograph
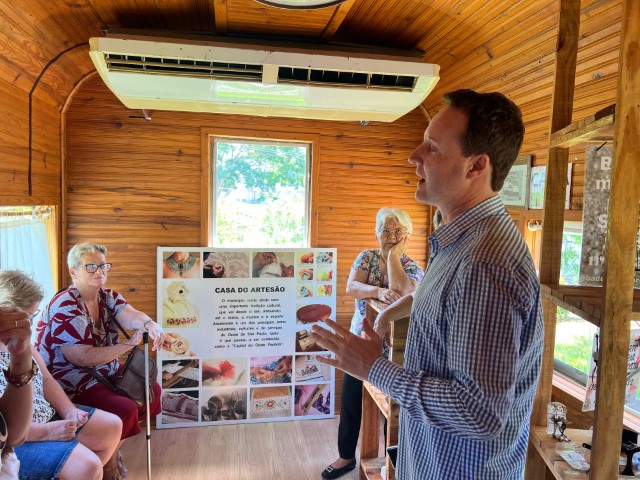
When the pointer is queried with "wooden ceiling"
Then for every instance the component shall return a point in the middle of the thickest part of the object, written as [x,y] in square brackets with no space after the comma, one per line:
[35,32]
[505,45]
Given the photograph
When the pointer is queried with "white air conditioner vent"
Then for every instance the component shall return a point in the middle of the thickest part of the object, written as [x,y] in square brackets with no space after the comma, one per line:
[229,75]
[186,67]
[308,76]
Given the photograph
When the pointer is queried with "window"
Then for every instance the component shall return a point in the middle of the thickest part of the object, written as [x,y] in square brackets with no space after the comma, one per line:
[28,243]
[574,336]
[260,193]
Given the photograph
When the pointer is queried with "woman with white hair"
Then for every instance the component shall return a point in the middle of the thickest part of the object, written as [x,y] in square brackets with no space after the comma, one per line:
[77,331]
[387,274]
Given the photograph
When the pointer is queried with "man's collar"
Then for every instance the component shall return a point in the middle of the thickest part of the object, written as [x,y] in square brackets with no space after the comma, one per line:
[446,233]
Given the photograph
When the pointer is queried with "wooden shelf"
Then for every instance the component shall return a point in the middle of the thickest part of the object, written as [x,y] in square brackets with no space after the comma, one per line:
[586,302]
[382,401]
[371,468]
[595,128]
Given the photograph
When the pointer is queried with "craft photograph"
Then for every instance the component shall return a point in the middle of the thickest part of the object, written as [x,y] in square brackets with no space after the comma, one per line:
[270,402]
[225,265]
[309,369]
[177,345]
[273,369]
[177,310]
[181,265]
[312,400]
[224,405]
[180,374]
[180,406]
[272,264]
[315,312]
[224,372]
[304,342]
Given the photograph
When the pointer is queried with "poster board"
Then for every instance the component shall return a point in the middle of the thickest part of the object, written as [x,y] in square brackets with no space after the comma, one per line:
[515,191]
[238,348]
[597,185]
[537,186]
[633,373]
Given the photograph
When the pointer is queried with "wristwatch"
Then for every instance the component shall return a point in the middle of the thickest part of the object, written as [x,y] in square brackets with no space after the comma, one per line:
[22,379]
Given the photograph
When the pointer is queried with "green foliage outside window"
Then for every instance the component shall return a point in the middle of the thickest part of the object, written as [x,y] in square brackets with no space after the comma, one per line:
[260,194]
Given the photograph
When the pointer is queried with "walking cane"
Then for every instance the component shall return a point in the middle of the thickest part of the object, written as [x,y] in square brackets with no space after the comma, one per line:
[145,341]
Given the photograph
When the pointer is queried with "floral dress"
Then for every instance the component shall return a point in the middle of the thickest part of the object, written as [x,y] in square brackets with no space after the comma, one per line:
[369,260]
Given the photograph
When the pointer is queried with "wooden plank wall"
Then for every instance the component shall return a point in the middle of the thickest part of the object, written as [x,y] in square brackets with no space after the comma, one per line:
[519,60]
[134,185]
[14,148]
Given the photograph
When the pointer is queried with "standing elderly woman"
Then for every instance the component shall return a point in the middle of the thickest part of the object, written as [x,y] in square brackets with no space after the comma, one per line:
[64,441]
[77,331]
[387,274]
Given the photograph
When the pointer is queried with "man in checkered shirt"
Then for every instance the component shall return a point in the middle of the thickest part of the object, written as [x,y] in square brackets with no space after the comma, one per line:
[474,347]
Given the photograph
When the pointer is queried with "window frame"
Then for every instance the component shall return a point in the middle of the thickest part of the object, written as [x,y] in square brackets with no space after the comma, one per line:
[207,135]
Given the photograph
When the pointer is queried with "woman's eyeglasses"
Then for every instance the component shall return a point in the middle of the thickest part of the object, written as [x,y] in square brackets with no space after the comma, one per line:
[93,267]
[33,315]
[396,233]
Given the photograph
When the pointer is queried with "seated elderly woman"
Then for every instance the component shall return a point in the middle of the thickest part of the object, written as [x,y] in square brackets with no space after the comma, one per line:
[387,274]
[77,331]
[16,398]
[64,441]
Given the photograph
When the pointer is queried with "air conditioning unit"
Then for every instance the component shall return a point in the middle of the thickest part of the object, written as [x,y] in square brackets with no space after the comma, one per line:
[237,76]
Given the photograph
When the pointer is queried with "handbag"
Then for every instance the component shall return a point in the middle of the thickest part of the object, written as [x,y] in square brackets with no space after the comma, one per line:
[130,378]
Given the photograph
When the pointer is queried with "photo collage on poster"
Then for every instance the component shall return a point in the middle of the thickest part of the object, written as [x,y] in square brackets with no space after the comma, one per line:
[238,347]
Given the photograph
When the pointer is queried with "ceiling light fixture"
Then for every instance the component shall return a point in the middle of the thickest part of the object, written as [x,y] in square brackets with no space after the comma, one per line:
[301,4]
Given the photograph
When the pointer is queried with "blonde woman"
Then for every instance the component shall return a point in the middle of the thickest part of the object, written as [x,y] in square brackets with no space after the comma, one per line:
[64,441]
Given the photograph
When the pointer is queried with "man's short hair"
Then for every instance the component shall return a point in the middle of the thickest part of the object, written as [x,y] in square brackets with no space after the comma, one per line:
[494,127]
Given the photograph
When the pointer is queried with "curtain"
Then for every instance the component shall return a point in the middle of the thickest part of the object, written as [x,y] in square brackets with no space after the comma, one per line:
[24,246]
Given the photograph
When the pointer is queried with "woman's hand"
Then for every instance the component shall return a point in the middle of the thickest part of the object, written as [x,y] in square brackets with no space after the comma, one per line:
[400,248]
[61,430]
[283,367]
[387,295]
[381,325]
[77,416]
[155,333]
[15,331]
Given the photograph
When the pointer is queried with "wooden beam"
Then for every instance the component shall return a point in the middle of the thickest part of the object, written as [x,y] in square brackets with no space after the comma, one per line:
[220,16]
[336,20]
[425,112]
[620,256]
[554,199]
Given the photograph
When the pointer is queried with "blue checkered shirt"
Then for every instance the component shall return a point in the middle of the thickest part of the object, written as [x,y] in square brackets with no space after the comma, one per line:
[473,354]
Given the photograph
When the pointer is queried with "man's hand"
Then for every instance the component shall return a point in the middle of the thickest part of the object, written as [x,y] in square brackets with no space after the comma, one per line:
[355,355]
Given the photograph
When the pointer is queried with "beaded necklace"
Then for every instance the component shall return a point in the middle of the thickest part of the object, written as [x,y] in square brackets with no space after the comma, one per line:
[180,267]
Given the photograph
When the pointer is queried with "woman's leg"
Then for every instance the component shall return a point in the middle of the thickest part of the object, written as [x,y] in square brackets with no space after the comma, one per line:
[349,427]
[101,434]
[350,417]
[82,463]
[105,399]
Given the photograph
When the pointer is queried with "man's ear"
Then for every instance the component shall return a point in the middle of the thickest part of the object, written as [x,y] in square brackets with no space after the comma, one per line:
[479,165]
